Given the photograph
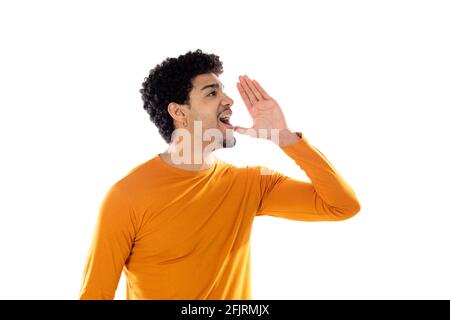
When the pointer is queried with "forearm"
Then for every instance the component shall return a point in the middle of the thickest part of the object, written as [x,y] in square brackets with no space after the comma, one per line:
[330,186]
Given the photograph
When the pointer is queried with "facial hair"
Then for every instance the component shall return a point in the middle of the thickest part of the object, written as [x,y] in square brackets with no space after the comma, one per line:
[229,144]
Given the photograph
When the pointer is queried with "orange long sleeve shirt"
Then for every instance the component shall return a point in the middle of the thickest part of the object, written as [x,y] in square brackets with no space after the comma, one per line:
[180,234]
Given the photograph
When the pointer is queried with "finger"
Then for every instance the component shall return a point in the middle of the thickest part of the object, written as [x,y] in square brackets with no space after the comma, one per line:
[261,90]
[252,87]
[248,91]
[245,97]
[247,131]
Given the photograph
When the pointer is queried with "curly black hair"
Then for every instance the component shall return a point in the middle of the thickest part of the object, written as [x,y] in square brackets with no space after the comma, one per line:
[171,81]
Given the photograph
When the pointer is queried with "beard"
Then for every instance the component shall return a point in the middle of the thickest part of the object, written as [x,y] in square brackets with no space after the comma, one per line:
[228,139]
[219,136]
[229,143]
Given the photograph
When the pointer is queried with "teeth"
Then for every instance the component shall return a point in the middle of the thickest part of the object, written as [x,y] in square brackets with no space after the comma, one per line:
[225,118]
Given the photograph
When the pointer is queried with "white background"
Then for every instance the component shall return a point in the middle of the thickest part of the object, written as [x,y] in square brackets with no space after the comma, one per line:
[366,81]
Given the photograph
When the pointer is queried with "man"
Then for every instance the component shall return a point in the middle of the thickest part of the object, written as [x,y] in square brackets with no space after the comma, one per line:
[179,224]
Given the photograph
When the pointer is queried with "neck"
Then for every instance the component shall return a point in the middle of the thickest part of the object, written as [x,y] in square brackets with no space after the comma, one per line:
[190,158]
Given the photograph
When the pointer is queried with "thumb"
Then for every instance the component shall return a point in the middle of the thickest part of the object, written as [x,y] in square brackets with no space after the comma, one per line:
[246,131]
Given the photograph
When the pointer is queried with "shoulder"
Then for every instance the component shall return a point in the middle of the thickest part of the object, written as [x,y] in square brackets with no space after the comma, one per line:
[130,187]
[248,171]
[138,175]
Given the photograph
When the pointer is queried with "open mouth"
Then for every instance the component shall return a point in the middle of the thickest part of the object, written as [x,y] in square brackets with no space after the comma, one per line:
[225,119]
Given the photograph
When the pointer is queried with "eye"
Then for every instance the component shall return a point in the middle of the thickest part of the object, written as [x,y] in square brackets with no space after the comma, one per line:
[213,93]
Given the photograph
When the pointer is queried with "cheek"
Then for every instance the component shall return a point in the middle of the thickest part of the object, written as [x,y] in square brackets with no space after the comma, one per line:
[208,116]
[213,121]
[210,119]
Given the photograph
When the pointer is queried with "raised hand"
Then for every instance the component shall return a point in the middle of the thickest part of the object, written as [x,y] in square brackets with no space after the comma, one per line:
[265,112]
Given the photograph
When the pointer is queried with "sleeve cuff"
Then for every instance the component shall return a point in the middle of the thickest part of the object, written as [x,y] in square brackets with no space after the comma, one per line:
[300,142]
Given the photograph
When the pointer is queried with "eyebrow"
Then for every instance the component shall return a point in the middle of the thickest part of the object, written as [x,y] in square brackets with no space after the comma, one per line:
[212,85]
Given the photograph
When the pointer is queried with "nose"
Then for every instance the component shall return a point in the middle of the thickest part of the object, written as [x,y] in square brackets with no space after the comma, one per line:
[227,100]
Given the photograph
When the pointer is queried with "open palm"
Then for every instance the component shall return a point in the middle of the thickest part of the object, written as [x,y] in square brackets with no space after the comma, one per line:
[264,110]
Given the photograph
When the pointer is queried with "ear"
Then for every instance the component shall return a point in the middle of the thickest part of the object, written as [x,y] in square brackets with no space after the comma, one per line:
[177,112]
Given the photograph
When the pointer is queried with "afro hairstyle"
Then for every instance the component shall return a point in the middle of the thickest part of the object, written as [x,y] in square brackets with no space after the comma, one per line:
[171,81]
